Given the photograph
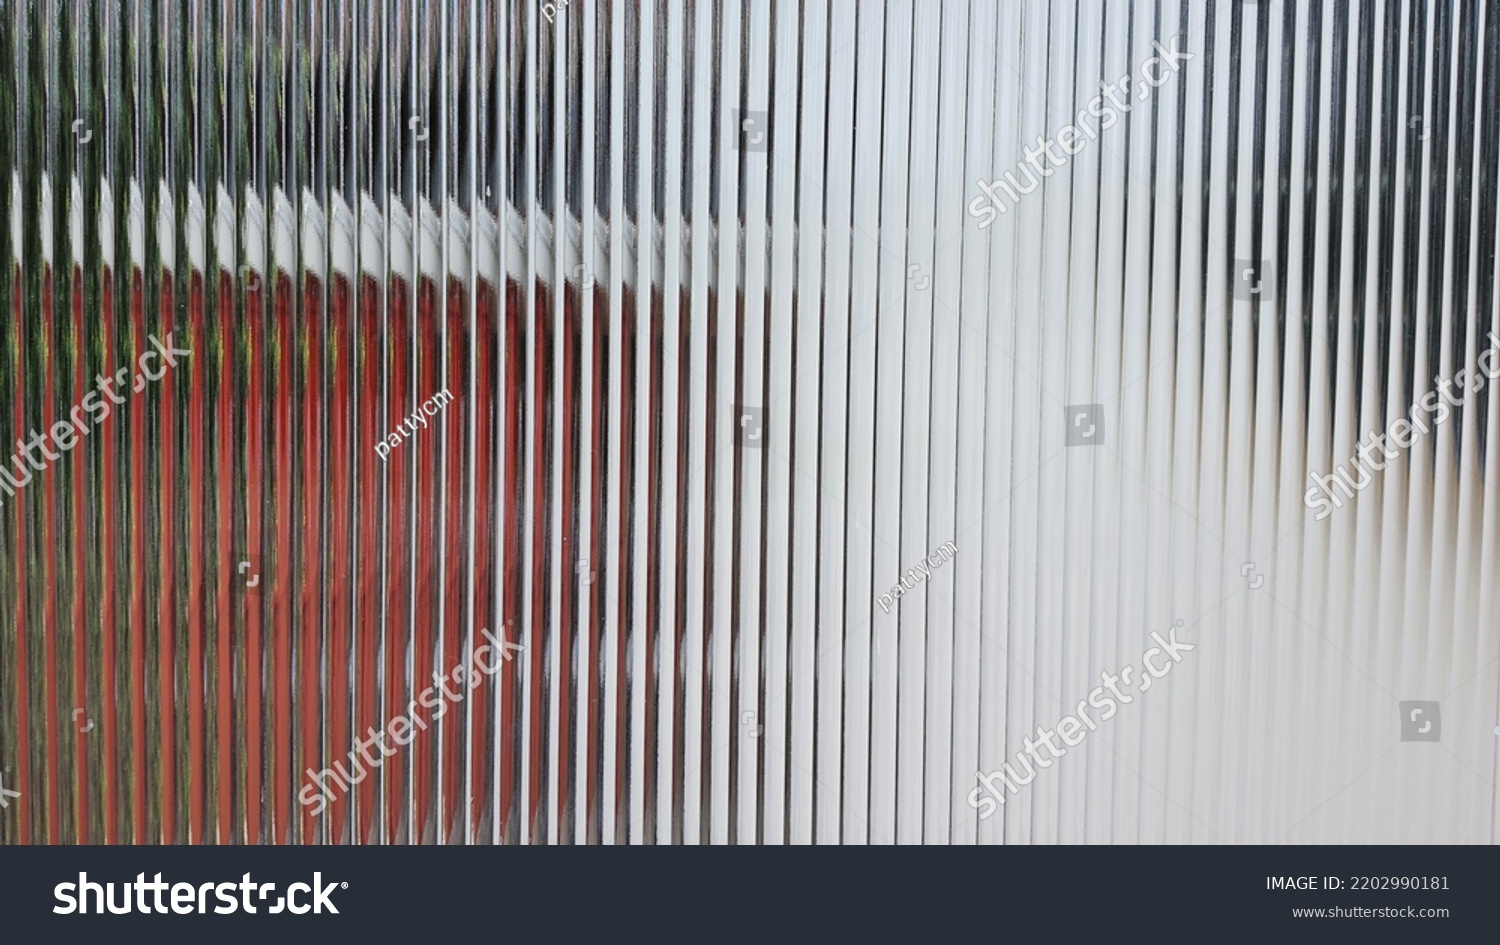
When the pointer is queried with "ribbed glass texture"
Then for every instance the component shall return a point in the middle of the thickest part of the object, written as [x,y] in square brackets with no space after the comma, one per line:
[749,421]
